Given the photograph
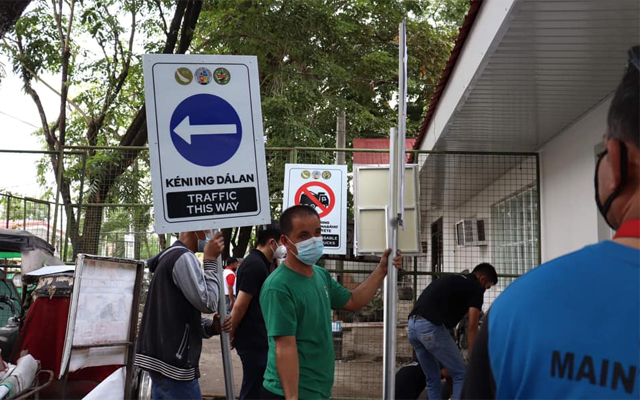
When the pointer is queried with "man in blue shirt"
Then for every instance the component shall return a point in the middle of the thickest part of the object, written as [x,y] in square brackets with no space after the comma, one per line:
[571,327]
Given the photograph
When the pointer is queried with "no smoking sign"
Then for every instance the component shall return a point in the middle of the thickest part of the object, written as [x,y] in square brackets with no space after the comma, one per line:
[323,188]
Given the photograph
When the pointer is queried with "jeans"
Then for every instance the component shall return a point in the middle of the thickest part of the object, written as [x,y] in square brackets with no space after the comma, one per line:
[163,388]
[434,343]
[254,363]
[227,301]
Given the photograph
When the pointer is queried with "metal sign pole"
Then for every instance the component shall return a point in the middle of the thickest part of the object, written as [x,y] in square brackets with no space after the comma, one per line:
[224,337]
[395,216]
[402,117]
[391,281]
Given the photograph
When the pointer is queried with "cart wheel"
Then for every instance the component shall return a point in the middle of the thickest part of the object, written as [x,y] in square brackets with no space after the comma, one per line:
[144,386]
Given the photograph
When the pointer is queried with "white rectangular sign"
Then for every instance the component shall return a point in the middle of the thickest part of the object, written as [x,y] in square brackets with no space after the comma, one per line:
[324,188]
[206,142]
[371,203]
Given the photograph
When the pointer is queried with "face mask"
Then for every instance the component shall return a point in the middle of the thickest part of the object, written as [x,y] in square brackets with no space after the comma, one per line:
[202,243]
[280,251]
[604,208]
[309,251]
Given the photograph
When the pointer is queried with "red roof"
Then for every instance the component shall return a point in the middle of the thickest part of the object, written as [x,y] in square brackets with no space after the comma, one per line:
[448,69]
[376,158]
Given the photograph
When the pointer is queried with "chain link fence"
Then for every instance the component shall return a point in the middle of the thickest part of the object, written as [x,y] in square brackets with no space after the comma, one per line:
[474,207]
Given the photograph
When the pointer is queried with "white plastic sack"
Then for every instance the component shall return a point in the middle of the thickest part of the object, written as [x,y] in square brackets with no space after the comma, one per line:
[111,388]
[22,376]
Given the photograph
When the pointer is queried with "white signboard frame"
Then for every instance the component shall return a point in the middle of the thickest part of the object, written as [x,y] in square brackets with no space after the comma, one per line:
[103,313]
[371,198]
[323,187]
[206,142]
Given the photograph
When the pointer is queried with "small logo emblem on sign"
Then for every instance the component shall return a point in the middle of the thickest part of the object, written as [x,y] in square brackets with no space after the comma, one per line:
[316,174]
[326,175]
[203,76]
[221,76]
[305,174]
[183,76]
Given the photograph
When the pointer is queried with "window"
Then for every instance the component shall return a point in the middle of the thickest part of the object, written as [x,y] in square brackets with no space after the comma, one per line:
[515,233]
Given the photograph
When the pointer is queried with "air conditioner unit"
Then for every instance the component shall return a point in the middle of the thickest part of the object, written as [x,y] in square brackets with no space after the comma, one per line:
[470,232]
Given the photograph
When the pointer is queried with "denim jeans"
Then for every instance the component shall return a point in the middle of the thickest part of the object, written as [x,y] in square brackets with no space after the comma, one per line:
[434,343]
[163,388]
[227,301]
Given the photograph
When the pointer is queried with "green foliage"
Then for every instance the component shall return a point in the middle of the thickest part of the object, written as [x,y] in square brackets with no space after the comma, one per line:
[315,59]
[320,57]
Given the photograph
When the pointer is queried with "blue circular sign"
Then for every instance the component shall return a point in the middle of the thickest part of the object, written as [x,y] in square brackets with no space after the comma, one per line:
[206,130]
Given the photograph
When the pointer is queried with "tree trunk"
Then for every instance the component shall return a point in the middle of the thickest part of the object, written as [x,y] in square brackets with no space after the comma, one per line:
[243,241]
[90,240]
[226,234]
[162,238]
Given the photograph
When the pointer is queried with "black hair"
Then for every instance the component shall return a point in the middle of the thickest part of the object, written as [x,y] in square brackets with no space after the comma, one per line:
[268,232]
[231,260]
[286,220]
[623,121]
[487,270]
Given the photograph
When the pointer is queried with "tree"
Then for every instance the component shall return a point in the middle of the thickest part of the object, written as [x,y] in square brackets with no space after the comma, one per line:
[315,58]
[100,89]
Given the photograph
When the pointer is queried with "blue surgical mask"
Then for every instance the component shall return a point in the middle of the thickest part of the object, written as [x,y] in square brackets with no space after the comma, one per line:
[309,251]
[202,243]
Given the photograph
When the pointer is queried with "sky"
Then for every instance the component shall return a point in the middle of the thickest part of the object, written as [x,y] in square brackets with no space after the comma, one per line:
[19,118]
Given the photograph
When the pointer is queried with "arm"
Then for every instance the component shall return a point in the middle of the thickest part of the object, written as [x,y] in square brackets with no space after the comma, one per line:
[240,309]
[211,327]
[365,291]
[288,365]
[480,382]
[472,329]
[199,286]
[281,319]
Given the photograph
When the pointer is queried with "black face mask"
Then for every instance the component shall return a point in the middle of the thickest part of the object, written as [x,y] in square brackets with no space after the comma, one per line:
[604,208]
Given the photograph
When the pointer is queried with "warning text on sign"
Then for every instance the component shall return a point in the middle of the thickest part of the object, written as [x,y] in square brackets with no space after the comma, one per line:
[331,240]
[211,202]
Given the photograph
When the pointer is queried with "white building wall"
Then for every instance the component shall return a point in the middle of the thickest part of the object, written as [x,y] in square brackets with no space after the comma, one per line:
[456,259]
[569,213]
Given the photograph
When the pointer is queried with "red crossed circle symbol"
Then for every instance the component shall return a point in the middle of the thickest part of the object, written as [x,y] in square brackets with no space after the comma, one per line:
[322,209]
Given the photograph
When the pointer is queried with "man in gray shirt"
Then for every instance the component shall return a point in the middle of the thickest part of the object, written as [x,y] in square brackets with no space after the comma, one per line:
[170,338]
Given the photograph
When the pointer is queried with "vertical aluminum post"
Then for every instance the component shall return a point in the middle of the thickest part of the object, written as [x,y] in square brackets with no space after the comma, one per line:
[224,337]
[391,281]
[395,216]
[402,116]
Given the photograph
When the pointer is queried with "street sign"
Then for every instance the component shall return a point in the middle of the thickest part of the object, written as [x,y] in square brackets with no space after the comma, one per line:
[206,142]
[322,201]
[323,188]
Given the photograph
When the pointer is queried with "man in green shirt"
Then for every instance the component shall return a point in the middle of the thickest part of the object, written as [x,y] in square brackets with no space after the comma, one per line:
[296,302]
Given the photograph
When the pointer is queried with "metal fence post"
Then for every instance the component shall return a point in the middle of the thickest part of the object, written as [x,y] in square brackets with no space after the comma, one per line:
[8,211]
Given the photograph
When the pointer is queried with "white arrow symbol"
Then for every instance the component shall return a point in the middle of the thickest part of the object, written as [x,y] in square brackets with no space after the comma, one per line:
[185,130]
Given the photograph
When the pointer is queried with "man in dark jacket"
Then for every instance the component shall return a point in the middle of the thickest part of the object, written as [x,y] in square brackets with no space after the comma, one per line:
[172,327]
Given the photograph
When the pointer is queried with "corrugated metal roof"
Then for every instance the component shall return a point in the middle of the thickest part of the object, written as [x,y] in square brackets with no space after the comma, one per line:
[378,144]
[557,60]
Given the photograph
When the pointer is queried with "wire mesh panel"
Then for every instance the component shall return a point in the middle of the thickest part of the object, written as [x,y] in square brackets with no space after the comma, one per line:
[28,214]
[479,208]
[473,208]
